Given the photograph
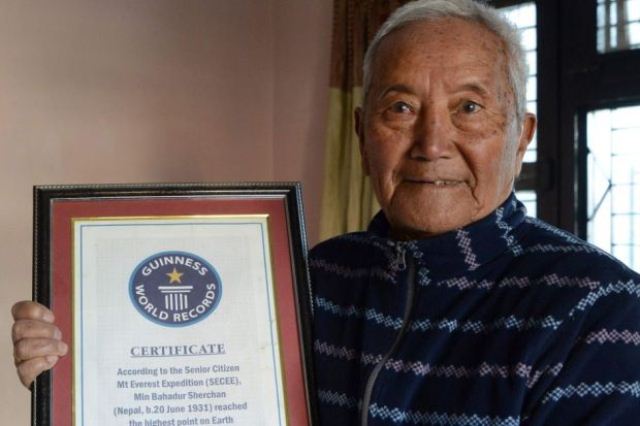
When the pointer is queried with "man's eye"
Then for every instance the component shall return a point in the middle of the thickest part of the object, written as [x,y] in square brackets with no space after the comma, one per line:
[401,108]
[470,107]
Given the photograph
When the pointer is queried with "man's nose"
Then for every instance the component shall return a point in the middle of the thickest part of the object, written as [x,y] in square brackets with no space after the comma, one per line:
[432,134]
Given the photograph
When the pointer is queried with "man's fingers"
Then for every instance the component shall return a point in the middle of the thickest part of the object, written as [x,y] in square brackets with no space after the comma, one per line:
[36,340]
[29,370]
[27,329]
[29,349]
[31,310]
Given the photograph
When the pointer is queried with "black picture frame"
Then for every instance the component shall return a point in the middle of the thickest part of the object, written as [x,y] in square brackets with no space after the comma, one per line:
[46,397]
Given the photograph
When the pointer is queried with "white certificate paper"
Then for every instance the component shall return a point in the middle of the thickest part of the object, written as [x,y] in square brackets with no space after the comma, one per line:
[174,322]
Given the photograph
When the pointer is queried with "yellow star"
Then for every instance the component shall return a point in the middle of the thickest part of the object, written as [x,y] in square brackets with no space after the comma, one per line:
[174,276]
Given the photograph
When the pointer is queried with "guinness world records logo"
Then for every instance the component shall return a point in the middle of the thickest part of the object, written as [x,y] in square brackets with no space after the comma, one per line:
[175,288]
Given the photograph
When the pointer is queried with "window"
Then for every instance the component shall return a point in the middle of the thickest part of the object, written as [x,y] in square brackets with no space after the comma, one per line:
[613,182]
[618,25]
[584,178]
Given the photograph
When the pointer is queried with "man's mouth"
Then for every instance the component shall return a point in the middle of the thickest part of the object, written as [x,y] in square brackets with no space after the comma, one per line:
[445,182]
[437,182]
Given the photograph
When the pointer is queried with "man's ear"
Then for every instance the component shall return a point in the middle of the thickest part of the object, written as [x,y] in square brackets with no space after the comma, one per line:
[526,135]
[358,116]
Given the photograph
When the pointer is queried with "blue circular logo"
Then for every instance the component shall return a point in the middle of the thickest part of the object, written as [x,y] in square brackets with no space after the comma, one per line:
[175,288]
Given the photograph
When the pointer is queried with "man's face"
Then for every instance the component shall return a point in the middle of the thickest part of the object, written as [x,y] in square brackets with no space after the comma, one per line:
[438,132]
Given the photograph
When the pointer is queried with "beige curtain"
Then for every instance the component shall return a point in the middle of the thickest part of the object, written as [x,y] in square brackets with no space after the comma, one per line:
[348,202]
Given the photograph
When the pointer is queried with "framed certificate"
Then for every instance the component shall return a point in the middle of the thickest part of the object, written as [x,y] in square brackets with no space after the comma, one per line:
[182,304]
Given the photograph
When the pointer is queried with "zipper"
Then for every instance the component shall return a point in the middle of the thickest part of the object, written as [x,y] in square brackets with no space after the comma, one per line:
[401,264]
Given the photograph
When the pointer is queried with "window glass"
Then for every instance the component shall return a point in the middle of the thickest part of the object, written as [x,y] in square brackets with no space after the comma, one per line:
[529,199]
[613,182]
[618,25]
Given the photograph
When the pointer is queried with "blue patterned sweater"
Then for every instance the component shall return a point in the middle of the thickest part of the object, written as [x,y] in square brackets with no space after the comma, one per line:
[507,321]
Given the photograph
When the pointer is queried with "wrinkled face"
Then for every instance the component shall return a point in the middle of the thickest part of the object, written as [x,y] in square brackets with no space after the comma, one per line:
[438,131]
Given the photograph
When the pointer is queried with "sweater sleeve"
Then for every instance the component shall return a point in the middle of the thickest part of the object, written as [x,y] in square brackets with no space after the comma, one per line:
[599,382]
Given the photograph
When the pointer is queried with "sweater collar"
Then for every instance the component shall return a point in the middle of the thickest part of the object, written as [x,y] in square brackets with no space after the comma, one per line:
[467,248]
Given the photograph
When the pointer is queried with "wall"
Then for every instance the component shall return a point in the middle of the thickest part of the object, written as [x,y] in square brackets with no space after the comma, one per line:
[151,91]
[302,55]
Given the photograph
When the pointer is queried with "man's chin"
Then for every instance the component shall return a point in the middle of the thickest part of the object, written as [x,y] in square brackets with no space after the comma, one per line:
[407,225]
[418,214]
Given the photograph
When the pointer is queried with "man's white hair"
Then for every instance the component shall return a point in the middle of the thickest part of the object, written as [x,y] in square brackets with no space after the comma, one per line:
[474,11]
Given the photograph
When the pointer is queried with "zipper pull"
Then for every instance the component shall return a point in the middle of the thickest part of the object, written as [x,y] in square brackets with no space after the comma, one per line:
[401,260]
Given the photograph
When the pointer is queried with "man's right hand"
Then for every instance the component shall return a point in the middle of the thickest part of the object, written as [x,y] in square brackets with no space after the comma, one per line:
[37,343]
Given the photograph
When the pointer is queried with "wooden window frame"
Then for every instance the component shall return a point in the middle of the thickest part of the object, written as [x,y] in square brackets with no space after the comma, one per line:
[573,79]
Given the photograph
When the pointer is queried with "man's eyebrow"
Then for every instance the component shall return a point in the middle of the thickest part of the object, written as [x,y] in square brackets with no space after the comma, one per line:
[400,88]
[478,88]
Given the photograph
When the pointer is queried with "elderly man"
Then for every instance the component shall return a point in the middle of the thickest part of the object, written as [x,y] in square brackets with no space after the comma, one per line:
[453,308]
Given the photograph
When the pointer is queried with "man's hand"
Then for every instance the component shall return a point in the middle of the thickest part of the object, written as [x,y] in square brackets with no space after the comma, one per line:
[37,343]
